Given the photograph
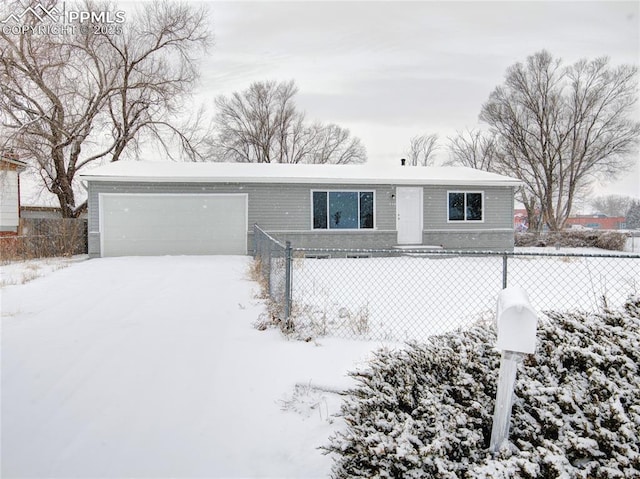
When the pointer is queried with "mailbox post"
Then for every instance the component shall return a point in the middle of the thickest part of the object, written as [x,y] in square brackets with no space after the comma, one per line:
[516,323]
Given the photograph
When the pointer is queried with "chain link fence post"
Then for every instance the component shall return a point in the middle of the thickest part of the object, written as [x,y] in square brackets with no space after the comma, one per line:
[287,285]
[505,275]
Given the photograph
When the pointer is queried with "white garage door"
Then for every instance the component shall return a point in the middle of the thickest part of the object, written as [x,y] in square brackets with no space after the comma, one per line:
[162,224]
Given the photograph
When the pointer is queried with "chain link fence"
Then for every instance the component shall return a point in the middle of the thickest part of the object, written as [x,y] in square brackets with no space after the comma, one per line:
[412,294]
[273,265]
[45,237]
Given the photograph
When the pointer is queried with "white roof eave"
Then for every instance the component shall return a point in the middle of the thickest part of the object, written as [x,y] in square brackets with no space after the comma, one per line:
[304,180]
[164,172]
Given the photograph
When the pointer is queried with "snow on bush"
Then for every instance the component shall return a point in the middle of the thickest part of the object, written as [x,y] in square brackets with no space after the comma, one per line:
[609,240]
[426,411]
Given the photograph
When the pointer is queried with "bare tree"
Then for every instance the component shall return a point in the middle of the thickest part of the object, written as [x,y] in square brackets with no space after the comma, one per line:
[91,95]
[479,150]
[422,150]
[473,149]
[612,205]
[335,144]
[263,125]
[260,125]
[557,128]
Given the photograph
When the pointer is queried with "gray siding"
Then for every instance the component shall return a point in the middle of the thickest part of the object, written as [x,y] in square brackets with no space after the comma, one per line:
[285,210]
[498,208]
[339,240]
[276,207]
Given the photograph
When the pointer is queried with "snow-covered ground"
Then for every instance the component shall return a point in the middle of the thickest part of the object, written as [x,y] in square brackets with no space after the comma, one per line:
[413,297]
[21,272]
[151,367]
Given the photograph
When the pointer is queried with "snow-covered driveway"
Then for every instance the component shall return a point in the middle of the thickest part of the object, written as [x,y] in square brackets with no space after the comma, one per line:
[150,367]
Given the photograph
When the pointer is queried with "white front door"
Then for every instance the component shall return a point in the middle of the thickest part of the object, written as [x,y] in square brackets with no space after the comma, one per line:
[409,215]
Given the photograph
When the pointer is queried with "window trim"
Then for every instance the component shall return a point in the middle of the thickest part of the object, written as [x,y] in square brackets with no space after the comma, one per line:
[317,256]
[465,220]
[357,191]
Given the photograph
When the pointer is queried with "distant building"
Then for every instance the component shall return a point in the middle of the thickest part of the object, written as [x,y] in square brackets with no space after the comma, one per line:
[10,169]
[594,222]
[597,222]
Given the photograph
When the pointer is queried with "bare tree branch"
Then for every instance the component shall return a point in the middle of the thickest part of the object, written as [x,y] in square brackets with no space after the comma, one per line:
[557,128]
[70,100]
[473,149]
[612,205]
[422,150]
[262,125]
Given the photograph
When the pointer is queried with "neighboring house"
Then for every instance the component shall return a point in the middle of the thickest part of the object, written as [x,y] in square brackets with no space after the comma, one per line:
[43,212]
[156,208]
[40,212]
[10,168]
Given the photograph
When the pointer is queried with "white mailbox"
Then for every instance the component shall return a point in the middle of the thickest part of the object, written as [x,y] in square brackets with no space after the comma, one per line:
[516,321]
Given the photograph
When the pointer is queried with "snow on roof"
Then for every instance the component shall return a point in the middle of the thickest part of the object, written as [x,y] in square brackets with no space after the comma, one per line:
[209,172]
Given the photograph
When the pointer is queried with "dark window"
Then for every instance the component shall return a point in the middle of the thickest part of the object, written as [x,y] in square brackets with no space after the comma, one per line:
[474,206]
[319,210]
[366,209]
[456,206]
[465,206]
[343,209]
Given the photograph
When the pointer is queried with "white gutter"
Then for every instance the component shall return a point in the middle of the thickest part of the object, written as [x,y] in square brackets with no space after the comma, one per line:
[303,180]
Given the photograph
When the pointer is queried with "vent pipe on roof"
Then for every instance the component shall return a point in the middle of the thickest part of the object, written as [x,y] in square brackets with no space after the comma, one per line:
[403,161]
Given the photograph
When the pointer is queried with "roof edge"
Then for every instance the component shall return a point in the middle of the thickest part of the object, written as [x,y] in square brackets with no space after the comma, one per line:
[298,180]
[21,165]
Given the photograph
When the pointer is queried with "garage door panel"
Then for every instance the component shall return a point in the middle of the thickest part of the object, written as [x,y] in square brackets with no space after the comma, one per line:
[162,248]
[142,224]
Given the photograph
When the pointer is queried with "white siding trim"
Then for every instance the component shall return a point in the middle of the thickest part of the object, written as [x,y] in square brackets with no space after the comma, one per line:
[9,201]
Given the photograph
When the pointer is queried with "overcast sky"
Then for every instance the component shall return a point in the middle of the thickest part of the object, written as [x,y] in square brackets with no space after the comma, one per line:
[392,70]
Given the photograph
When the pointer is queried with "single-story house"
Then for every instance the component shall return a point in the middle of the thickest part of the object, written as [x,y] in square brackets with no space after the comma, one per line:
[158,208]
[10,168]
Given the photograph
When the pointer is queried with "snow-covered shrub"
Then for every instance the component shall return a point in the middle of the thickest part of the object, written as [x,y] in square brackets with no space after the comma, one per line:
[426,411]
[609,240]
